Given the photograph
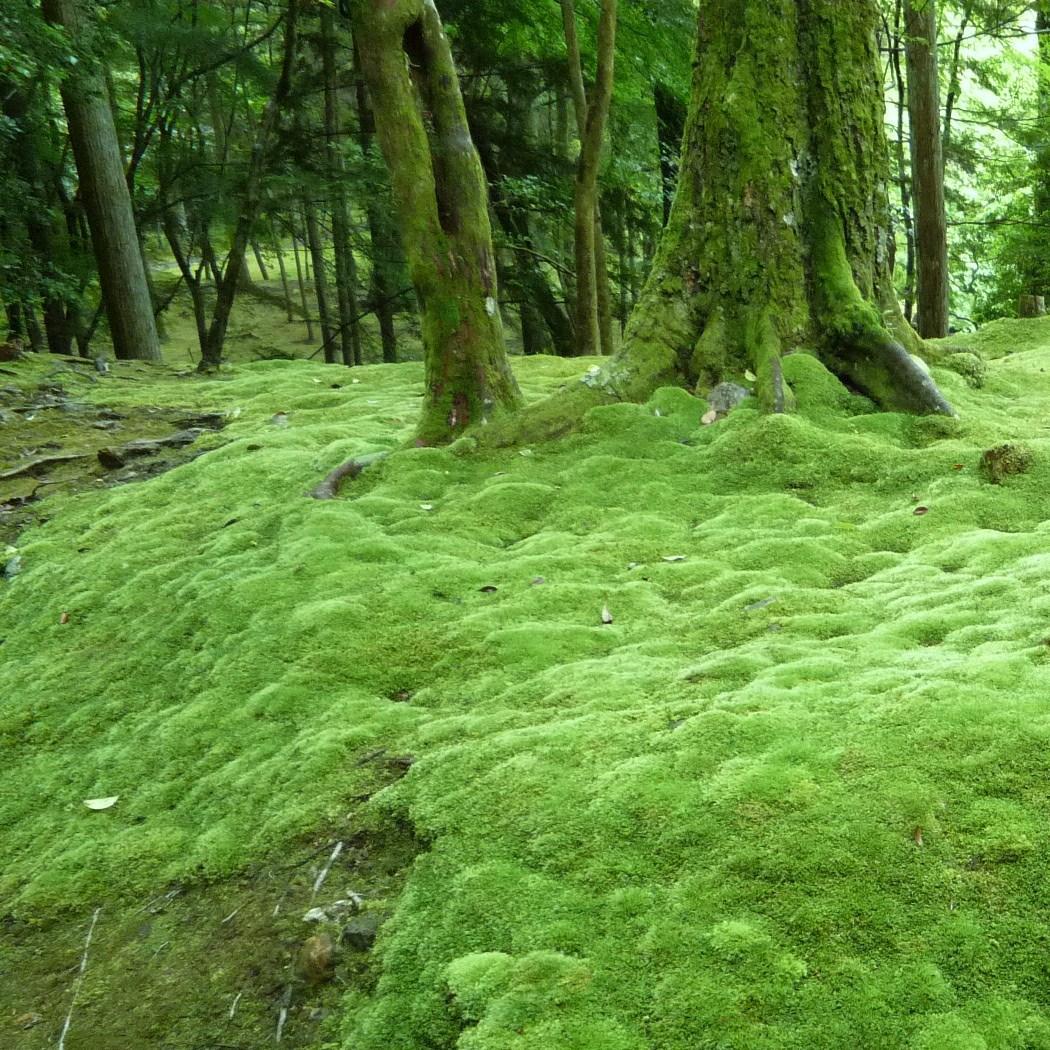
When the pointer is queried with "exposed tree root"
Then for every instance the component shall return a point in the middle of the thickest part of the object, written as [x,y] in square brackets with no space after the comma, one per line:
[352,468]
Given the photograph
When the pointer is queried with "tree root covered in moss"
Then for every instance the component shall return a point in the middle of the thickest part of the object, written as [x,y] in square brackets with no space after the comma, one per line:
[352,468]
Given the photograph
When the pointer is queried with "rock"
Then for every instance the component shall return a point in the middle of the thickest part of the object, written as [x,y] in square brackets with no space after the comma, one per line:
[1004,461]
[13,567]
[316,961]
[10,351]
[360,932]
[334,911]
[115,457]
[726,396]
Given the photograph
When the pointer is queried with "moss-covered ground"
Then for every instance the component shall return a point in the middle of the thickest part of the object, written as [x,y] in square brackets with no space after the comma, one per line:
[794,795]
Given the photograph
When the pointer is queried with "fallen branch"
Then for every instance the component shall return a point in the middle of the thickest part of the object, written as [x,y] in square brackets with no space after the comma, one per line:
[79,981]
[352,468]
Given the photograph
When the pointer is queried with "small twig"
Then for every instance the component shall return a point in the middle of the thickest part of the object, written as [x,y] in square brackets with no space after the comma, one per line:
[231,915]
[283,1015]
[319,881]
[233,1006]
[352,468]
[79,981]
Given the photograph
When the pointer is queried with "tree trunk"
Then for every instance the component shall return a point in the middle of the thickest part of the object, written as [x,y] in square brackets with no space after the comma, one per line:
[593,301]
[903,164]
[302,288]
[324,314]
[442,204]
[924,115]
[345,266]
[1035,266]
[107,201]
[386,278]
[278,251]
[252,198]
[779,236]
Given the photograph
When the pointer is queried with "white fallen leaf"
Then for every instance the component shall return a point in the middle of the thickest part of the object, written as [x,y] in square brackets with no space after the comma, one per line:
[525,452]
[674,557]
[750,376]
[355,380]
[426,506]
[709,417]
[656,412]
[279,419]
[607,616]
[101,803]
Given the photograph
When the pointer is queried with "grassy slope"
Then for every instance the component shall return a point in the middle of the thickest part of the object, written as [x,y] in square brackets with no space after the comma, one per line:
[795,795]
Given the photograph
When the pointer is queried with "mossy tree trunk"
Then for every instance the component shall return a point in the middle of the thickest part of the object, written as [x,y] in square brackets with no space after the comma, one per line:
[107,202]
[593,297]
[927,165]
[442,202]
[779,236]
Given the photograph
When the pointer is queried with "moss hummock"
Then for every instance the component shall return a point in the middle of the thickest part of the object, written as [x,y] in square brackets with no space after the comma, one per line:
[793,795]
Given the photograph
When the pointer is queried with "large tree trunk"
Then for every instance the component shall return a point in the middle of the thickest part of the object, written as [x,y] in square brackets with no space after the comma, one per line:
[442,204]
[779,236]
[924,116]
[107,201]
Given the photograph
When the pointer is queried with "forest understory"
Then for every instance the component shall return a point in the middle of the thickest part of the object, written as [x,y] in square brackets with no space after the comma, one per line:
[665,735]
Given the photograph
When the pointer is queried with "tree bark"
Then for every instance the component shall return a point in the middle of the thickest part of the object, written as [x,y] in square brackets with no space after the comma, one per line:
[442,204]
[903,163]
[345,265]
[779,236]
[252,198]
[386,278]
[593,302]
[104,190]
[927,163]
[324,313]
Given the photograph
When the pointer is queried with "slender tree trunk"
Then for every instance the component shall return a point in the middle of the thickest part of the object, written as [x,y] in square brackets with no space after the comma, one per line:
[903,163]
[324,314]
[307,317]
[593,302]
[954,77]
[1035,267]
[278,250]
[252,199]
[345,265]
[924,112]
[107,201]
[386,278]
[442,205]
[259,260]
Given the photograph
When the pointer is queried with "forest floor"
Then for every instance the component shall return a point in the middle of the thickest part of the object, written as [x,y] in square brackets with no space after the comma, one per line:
[661,737]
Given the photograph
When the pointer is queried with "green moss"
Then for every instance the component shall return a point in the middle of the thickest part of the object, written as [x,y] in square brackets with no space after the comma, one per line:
[694,826]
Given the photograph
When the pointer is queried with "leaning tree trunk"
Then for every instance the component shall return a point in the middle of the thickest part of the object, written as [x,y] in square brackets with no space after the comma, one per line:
[439,189]
[924,116]
[779,236]
[107,201]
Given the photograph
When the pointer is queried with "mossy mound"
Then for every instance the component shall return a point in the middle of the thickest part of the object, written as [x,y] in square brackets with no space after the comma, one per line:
[792,795]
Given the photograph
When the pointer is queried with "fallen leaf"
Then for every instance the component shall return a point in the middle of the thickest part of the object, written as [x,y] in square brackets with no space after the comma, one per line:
[920,511]
[537,581]
[674,557]
[279,419]
[755,606]
[426,506]
[27,1021]
[750,376]
[607,616]
[709,417]
[525,452]
[958,466]
[488,589]
[101,803]
[917,835]
[64,618]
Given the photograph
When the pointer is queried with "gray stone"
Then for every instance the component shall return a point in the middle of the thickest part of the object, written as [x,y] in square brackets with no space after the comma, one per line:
[360,932]
[726,396]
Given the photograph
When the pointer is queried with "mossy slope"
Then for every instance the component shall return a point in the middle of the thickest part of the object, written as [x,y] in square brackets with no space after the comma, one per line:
[794,795]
